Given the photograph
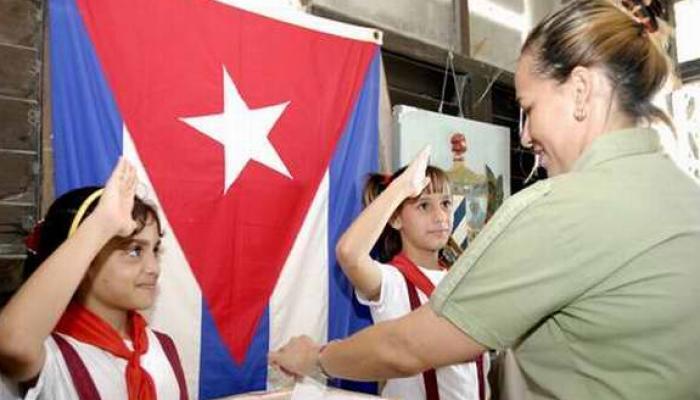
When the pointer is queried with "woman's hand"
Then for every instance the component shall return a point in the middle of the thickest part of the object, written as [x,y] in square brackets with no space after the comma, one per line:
[413,178]
[298,358]
[117,201]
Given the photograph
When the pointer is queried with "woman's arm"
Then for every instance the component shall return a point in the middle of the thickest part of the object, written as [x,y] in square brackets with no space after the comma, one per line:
[33,312]
[398,348]
[353,248]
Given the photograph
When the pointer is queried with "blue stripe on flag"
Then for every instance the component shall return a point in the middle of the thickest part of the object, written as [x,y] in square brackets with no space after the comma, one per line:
[219,374]
[356,155]
[86,123]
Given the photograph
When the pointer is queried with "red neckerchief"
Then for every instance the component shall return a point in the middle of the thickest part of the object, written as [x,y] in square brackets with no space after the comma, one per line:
[410,270]
[81,324]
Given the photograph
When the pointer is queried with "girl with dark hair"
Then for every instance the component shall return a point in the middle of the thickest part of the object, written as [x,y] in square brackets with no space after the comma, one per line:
[72,330]
[408,216]
[590,276]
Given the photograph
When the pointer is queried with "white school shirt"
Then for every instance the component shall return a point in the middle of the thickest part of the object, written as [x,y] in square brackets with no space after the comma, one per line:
[455,382]
[107,371]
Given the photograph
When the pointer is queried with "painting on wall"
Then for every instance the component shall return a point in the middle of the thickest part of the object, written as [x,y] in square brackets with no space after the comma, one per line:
[474,154]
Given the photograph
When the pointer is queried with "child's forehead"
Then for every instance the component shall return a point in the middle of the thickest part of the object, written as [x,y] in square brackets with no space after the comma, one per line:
[429,196]
[437,187]
[137,241]
[149,234]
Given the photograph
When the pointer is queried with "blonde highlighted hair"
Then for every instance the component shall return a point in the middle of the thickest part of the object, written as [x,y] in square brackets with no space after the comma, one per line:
[599,33]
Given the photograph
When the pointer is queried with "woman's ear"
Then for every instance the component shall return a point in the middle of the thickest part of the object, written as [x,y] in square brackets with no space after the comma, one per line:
[585,81]
[582,81]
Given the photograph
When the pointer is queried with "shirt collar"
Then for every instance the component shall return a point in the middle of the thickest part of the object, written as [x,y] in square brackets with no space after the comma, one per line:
[618,144]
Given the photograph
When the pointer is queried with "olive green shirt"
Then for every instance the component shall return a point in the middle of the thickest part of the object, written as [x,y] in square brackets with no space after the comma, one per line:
[592,277]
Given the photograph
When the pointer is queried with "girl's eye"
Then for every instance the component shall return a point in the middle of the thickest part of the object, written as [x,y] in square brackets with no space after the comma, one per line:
[447,203]
[422,206]
[135,251]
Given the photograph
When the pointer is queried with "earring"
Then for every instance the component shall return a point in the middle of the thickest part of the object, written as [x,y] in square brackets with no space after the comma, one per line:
[579,113]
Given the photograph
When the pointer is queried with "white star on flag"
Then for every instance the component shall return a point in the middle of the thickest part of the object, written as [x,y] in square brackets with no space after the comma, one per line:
[243,133]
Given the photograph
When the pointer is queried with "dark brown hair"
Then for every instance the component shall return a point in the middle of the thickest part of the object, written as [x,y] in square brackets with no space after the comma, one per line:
[53,230]
[598,33]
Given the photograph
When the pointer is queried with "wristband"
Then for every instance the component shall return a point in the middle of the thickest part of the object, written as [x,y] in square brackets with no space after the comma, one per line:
[318,362]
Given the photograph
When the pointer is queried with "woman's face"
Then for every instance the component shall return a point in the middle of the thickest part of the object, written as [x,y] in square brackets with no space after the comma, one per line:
[124,274]
[550,128]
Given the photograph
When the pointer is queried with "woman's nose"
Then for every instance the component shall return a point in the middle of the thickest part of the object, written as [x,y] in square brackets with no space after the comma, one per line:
[525,139]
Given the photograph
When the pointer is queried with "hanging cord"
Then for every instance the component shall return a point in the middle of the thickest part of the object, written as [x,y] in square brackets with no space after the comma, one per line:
[450,69]
[444,82]
[488,88]
[458,88]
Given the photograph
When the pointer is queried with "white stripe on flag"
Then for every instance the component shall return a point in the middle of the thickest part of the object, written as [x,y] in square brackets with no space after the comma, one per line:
[299,303]
[293,16]
[178,307]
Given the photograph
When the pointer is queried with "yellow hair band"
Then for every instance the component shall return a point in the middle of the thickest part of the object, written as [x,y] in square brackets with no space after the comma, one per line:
[82,210]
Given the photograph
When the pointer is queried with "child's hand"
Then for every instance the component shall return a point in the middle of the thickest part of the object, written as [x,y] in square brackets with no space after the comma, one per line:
[117,201]
[414,177]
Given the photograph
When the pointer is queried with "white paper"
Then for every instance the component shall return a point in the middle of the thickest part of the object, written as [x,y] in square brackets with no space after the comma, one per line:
[309,389]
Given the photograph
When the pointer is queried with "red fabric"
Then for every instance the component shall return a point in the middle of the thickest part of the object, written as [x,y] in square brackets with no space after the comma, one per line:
[386,180]
[414,275]
[81,324]
[171,352]
[236,239]
[429,376]
[82,381]
[416,278]
[32,240]
[481,376]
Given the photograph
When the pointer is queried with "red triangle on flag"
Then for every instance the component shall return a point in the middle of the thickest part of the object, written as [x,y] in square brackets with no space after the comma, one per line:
[164,61]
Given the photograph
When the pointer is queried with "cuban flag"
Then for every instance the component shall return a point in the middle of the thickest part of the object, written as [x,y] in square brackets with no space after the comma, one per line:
[253,127]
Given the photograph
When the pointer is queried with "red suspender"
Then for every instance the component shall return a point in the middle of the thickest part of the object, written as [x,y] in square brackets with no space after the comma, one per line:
[413,274]
[429,376]
[416,278]
[171,353]
[480,375]
[82,381]
[85,386]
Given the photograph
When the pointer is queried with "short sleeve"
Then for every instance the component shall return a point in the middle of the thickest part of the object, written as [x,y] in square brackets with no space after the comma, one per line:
[393,297]
[52,379]
[526,264]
